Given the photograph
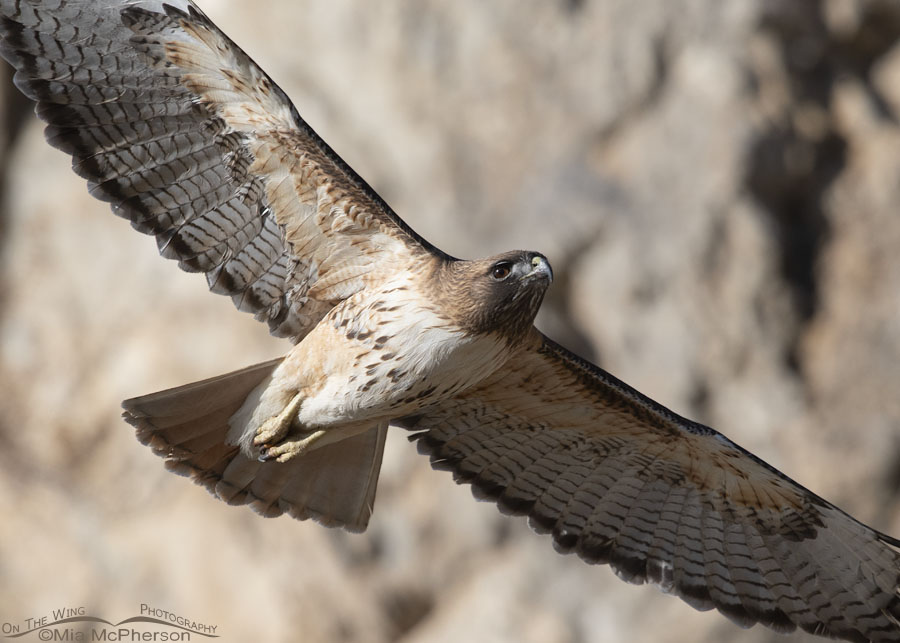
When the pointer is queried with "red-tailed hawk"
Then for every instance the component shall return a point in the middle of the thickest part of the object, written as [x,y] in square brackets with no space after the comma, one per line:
[186,137]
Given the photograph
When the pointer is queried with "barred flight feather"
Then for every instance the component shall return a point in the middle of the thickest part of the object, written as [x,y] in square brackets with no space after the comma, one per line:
[166,118]
[662,500]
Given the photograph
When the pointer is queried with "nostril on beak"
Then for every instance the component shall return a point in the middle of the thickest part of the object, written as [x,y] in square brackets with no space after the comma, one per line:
[539,262]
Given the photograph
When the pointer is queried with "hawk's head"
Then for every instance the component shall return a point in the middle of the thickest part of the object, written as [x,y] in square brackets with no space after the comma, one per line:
[498,294]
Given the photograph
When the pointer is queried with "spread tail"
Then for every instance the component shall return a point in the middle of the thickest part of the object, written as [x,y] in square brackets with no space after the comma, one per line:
[188,426]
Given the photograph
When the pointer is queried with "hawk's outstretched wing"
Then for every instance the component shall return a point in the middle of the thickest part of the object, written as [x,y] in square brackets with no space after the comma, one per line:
[619,479]
[192,142]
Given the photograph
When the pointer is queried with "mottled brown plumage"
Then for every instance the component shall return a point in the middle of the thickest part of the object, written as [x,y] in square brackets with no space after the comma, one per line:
[188,139]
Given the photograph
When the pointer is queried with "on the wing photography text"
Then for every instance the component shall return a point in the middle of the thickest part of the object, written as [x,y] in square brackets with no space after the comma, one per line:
[76,624]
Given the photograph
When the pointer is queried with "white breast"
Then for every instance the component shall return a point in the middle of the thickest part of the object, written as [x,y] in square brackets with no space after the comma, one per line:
[387,356]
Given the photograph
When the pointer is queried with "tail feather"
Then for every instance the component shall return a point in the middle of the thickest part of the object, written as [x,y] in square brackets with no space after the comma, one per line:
[188,426]
[355,464]
[237,476]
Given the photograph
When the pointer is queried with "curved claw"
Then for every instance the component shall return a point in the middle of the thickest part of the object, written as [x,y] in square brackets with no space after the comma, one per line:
[276,428]
[289,449]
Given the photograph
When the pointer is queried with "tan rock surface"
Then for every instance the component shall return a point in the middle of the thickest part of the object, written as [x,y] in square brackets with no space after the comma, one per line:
[717,185]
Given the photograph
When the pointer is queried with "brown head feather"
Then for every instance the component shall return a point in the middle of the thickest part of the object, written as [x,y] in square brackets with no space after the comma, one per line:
[500,294]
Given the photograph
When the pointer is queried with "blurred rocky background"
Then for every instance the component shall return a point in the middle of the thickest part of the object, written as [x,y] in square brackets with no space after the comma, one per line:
[717,185]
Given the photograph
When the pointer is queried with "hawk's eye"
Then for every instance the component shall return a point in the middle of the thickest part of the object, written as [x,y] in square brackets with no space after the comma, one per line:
[501,270]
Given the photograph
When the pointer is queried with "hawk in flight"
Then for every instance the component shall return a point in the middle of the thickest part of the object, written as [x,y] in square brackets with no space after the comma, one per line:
[187,138]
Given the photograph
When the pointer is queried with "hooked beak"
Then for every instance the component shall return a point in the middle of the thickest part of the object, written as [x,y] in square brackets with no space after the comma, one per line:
[540,269]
